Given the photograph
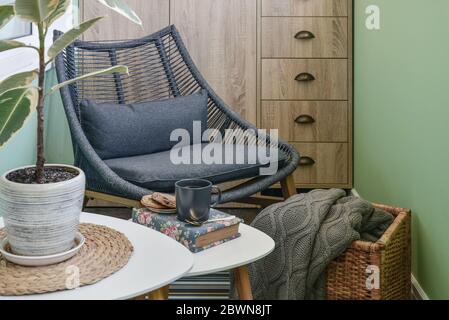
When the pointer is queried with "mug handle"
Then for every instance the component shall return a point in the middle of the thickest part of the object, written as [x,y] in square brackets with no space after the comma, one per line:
[218,191]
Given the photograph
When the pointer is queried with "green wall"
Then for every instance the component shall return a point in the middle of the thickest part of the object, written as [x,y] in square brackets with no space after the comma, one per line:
[58,144]
[402,124]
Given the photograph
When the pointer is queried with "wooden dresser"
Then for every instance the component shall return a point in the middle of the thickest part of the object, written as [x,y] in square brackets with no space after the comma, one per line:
[282,64]
[305,77]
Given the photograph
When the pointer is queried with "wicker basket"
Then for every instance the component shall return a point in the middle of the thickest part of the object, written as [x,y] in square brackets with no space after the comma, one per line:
[347,275]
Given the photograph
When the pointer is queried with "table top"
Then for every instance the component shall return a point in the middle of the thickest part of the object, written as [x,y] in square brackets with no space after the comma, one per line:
[251,246]
[156,262]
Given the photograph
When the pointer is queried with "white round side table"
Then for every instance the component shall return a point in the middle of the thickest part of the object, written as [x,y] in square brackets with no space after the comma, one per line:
[156,262]
[235,255]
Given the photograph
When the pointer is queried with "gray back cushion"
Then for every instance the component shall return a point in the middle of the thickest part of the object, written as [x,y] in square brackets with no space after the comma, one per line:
[117,131]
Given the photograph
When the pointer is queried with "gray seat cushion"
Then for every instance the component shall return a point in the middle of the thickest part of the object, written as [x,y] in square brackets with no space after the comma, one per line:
[117,131]
[157,172]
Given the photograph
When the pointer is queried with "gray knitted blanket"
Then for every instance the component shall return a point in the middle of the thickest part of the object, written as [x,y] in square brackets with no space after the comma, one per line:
[310,230]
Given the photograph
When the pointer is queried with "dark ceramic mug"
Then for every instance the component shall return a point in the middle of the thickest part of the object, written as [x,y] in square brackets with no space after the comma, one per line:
[193,200]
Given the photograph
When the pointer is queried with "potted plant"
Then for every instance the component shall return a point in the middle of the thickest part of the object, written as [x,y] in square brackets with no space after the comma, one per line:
[41,204]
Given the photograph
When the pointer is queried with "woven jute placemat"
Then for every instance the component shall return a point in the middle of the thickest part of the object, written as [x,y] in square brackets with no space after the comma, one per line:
[105,252]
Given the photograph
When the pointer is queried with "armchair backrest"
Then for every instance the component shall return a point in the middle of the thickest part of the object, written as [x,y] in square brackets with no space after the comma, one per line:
[157,69]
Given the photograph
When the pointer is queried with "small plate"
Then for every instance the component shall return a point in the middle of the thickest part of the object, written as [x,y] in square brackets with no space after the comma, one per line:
[166,211]
[29,261]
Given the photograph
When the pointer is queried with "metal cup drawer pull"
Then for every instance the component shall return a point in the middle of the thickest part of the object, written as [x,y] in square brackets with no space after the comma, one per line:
[305,77]
[304,35]
[306,162]
[305,119]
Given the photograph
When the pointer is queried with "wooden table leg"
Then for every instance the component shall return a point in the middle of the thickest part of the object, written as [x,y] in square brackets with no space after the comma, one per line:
[159,294]
[242,283]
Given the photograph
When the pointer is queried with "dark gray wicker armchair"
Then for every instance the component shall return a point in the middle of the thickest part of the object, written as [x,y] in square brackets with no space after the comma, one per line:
[160,68]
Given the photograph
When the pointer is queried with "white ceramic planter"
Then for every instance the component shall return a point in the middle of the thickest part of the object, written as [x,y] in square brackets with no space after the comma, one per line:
[42,219]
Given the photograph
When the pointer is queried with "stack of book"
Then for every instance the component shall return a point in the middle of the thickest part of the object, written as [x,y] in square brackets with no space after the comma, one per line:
[221,228]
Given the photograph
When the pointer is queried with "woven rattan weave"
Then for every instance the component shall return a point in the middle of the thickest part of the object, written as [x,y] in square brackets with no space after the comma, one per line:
[105,252]
[375,270]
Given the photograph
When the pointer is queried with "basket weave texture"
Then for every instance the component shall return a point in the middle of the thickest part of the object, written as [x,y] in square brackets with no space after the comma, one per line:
[352,276]
[105,252]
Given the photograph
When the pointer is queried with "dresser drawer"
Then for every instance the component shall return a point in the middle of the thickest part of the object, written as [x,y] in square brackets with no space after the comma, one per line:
[307,121]
[322,163]
[304,37]
[307,8]
[304,79]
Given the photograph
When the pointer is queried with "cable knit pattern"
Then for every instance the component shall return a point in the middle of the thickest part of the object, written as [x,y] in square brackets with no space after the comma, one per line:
[310,230]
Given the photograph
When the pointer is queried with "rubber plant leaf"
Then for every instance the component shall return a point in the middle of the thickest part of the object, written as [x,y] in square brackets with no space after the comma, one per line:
[6,14]
[62,7]
[10,44]
[23,79]
[116,69]
[122,8]
[15,107]
[70,36]
[36,11]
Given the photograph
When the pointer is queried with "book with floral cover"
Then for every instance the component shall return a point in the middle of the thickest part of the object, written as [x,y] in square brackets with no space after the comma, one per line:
[196,239]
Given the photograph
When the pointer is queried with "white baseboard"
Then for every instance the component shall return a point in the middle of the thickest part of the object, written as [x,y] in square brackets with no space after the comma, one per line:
[418,290]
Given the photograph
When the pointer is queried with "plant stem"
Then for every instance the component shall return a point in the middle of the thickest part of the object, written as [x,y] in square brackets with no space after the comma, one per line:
[40,108]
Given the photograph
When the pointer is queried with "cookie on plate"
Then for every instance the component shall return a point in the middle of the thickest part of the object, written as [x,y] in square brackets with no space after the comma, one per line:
[166,200]
[148,202]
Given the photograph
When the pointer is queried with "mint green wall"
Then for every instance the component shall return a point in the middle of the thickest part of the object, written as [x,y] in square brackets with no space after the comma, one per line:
[402,124]
[58,144]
